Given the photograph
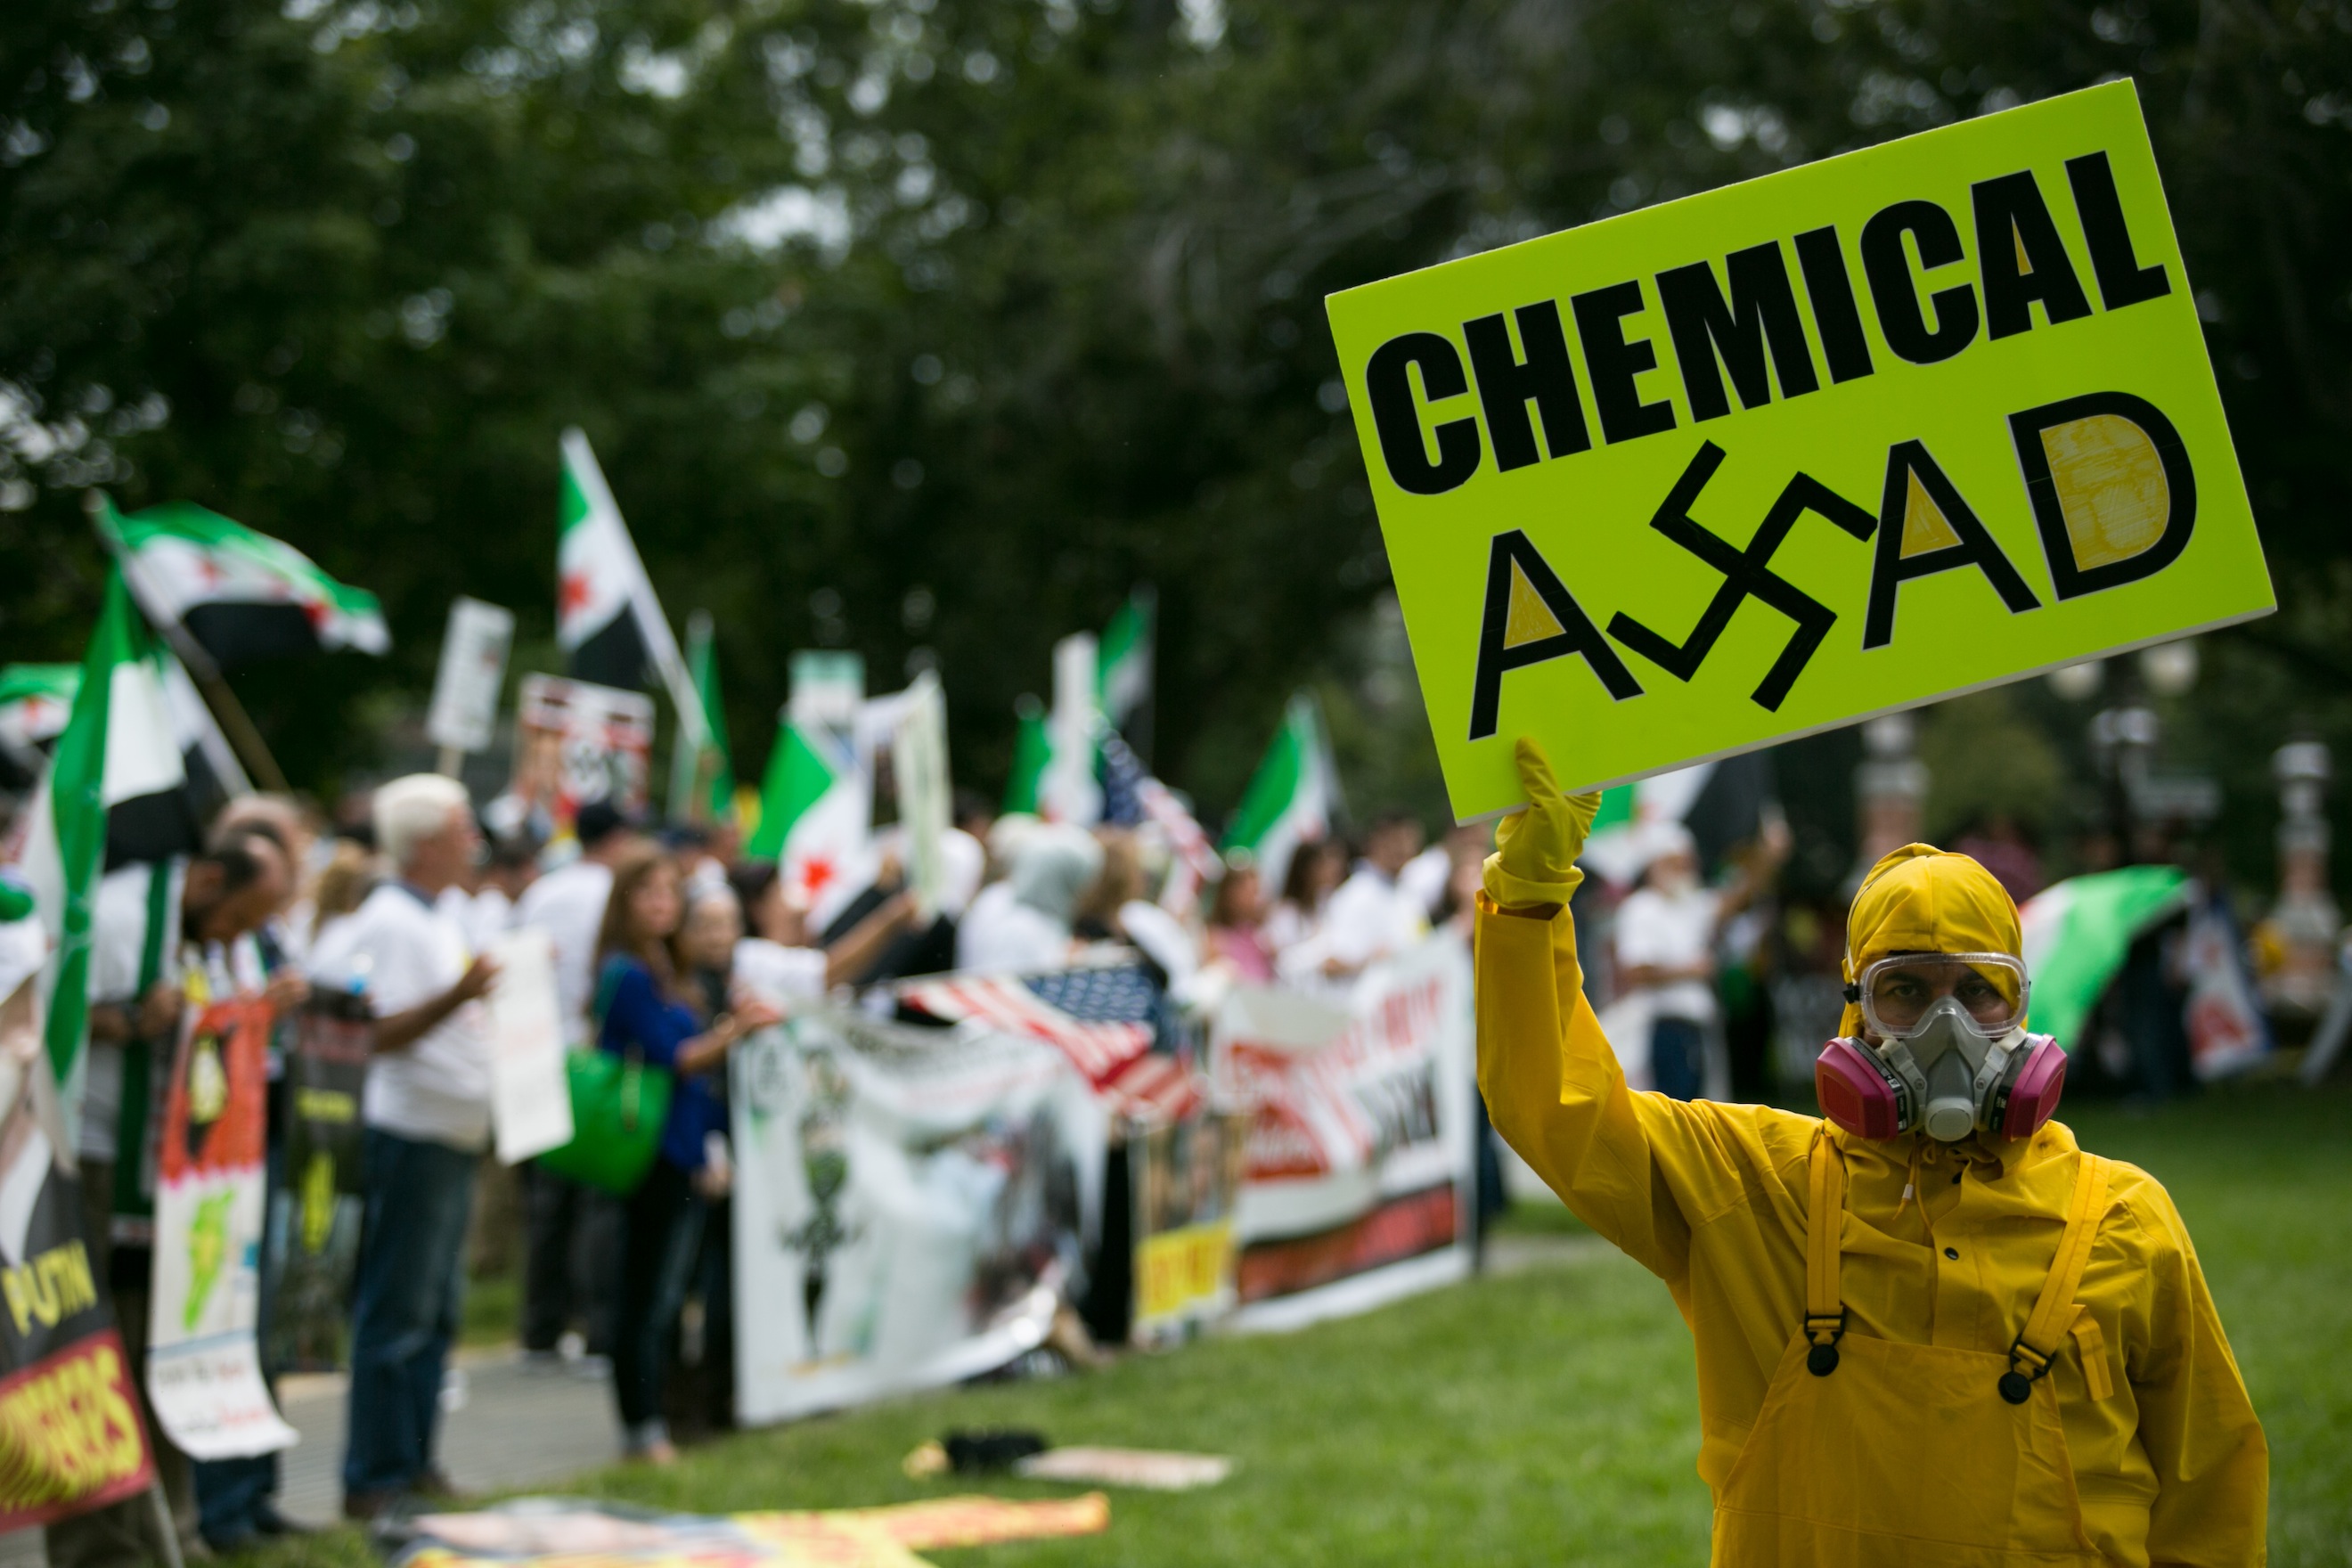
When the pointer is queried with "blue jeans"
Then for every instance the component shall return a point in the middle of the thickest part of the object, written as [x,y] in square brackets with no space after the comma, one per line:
[1678,1058]
[411,1282]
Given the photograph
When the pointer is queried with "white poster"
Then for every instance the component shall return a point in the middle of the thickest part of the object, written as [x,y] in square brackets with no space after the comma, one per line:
[909,1207]
[1360,1155]
[530,1101]
[465,710]
[919,771]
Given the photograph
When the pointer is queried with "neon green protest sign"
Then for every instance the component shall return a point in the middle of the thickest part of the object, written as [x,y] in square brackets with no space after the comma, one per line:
[1891,427]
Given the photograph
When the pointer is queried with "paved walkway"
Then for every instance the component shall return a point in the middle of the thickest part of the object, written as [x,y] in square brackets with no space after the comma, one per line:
[505,1425]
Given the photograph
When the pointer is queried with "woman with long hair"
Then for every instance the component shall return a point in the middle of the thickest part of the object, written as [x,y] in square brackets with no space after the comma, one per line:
[1236,935]
[646,1010]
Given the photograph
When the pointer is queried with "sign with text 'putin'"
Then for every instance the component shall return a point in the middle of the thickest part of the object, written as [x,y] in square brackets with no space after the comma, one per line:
[1891,427]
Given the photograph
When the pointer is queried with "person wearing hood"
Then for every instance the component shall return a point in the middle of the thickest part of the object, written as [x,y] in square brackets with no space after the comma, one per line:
[1051,867]
[1932,1330]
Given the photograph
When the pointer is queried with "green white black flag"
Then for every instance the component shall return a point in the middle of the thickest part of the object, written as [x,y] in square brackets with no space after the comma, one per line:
[117,753]
[1293,797]
[242,595]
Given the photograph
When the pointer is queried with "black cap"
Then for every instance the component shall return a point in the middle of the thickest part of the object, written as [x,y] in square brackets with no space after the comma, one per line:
[599,820]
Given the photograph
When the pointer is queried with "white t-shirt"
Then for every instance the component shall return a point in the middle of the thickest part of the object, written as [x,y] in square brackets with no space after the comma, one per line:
[1424,878]
[568,904]
[490,915]
[1370,918]
[778,974]
[118,941]
[438,1090]
[1670,931]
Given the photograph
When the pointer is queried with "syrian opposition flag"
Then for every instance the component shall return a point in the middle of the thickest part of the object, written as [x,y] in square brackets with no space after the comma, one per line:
[117,772]
[36,700]
[2077,934]
[816,820]
[1124,659]
[607,620]
[241,595]
[1293,797]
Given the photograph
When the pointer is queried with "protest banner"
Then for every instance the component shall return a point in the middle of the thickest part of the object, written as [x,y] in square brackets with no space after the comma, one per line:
[1185,1176]
[576,743]
[1359,1157]
[1941,408]
[315,1214]
[909,1205]
[71,1435]
[531,1099]
[204,1357]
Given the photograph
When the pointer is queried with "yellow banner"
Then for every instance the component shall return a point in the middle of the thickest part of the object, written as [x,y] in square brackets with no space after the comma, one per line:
[1891,427]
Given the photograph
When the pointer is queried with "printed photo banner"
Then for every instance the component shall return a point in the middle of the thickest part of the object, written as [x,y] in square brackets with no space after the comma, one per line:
[909,1207]
[1888,427]
[204,1357]
[71,1437]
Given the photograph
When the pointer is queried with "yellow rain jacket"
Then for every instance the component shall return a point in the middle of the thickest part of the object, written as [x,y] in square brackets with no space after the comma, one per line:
[1943,1245]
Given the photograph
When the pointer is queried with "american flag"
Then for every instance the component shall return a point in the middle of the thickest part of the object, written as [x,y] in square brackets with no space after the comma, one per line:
[1122,778]
[1131,795]
[1103,1020]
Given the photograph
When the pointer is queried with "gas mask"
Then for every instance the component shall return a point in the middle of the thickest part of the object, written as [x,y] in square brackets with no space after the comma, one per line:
[1951,1055]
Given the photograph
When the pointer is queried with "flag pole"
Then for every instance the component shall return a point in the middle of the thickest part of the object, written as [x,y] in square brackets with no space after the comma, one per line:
[236,724]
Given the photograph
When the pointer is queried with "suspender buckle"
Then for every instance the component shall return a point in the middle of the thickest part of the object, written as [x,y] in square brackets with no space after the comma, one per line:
[1824,1332]
[2027,1366]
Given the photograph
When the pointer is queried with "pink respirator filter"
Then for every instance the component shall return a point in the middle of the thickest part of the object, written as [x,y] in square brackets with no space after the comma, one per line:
[2033,1097]
[1855,1091]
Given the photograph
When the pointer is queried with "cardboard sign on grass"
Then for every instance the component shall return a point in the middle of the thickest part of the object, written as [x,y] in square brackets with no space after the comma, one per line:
[1898,425]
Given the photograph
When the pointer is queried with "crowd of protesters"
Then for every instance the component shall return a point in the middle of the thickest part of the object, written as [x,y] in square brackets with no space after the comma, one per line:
[669,948]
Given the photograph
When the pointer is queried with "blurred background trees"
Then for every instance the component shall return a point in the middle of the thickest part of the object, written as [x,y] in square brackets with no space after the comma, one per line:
[928,327]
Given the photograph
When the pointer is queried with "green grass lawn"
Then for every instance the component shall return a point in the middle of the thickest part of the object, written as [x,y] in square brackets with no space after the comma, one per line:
[1551,1417]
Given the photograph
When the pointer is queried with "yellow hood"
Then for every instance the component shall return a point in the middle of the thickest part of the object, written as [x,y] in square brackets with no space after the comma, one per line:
[1920,899]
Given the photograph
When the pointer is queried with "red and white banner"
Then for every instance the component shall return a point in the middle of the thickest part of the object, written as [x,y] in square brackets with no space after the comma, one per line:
[1360,1157]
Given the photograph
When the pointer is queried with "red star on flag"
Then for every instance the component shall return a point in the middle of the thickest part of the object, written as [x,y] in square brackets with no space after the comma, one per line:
[816,872]
[571,594]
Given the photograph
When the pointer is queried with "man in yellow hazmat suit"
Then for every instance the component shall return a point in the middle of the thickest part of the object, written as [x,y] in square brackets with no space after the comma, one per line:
[1932,1330]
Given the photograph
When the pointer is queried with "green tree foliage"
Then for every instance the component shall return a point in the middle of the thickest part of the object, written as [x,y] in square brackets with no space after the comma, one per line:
[1018,303]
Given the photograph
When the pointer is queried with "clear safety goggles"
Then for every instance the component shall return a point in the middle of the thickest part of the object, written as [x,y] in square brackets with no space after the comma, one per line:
[1898,993]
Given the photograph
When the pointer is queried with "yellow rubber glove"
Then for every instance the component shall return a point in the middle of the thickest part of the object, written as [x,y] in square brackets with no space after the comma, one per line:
[1535,862]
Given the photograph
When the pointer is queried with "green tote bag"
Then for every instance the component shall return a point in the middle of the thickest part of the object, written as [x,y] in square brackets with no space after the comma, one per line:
[618,1107]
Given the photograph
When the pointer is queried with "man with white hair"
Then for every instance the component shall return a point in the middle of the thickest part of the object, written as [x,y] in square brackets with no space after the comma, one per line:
[428,1116]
